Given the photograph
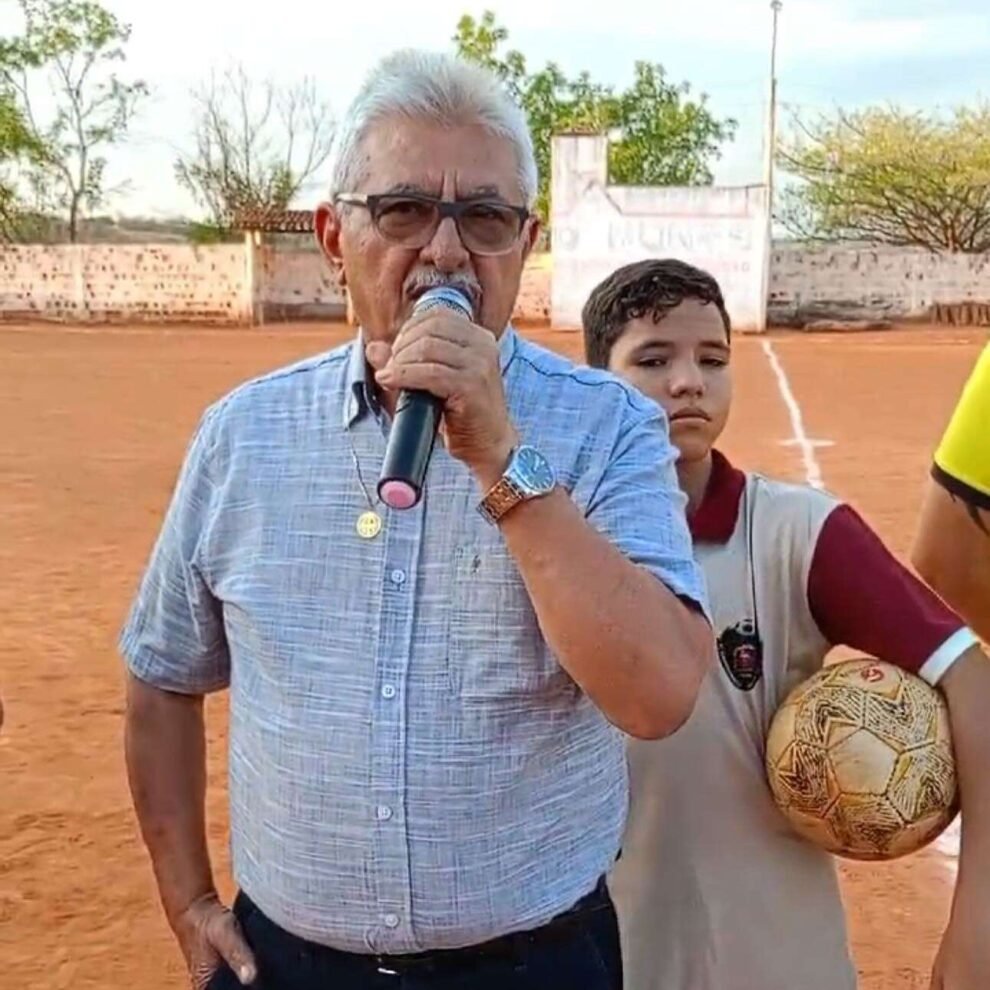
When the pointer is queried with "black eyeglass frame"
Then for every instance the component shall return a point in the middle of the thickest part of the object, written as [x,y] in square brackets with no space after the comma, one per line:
[454,209]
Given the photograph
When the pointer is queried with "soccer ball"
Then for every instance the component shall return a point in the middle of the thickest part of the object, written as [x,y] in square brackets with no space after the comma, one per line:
[859,759]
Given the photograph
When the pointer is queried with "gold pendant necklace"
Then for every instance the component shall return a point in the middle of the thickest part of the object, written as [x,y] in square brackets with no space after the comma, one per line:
[369,523]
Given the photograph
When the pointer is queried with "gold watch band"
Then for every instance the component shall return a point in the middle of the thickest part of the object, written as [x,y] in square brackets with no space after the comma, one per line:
[501,497]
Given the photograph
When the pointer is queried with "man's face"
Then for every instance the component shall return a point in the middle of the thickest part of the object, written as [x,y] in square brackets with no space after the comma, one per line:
[453,163]
[682,362]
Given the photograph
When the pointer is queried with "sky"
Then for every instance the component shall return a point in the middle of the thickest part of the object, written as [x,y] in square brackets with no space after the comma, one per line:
[849,53]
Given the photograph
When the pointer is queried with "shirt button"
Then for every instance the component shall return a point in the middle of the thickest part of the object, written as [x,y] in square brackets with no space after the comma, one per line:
[388,691]
[384,812]
[398,576]
[391,920]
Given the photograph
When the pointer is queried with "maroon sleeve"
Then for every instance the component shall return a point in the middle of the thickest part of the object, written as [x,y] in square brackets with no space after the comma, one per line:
[862,597]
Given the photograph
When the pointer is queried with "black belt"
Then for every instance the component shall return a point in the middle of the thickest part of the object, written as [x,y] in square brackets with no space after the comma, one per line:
[510,946]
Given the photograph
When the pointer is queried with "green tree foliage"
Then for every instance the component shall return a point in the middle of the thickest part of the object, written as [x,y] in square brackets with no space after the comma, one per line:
[18,151]
[70,48]
[663,136]
[891,176]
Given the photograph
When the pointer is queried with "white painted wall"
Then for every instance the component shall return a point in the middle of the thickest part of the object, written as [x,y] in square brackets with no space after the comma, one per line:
[596,228]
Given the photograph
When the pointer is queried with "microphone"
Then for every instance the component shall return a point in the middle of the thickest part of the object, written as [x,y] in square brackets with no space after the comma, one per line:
[416,420]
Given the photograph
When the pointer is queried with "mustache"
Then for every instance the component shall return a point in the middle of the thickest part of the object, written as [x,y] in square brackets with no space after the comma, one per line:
[419,282]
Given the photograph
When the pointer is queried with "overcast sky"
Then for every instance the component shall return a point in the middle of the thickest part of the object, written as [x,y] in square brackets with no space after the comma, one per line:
[831,52]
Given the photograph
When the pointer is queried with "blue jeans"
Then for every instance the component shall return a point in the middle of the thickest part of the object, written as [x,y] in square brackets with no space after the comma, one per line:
[578,951]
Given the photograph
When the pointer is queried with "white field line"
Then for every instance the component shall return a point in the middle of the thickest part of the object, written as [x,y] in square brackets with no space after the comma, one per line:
[812,469]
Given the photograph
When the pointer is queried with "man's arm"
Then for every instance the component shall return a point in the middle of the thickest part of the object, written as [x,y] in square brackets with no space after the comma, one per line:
[951,551]
[637,650]
[600,585]
[614,583]
[176,652]
[952,545]
[165,751]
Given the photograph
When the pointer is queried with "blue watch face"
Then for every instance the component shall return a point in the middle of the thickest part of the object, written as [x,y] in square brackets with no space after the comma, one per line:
[534,470]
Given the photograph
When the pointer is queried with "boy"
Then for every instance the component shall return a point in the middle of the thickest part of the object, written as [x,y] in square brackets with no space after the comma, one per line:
[714,890]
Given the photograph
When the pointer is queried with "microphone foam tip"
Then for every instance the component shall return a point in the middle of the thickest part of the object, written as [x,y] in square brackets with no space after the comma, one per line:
[398,495]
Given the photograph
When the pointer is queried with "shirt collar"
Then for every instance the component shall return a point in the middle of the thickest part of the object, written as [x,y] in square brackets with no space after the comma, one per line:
[714,521]
[359,393]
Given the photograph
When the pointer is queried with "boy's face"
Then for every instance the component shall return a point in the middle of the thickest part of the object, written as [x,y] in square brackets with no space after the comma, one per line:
[682,362]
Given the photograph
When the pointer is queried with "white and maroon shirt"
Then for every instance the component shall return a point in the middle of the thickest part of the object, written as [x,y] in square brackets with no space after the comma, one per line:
[714,890]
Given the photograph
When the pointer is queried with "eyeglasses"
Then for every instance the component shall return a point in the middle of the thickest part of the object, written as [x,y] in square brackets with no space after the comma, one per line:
[486,227]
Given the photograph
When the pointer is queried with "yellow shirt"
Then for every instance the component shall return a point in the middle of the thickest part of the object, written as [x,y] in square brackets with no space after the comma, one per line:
[962,460]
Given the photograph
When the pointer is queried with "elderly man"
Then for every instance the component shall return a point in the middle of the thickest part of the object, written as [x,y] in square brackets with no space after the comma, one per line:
[428,707]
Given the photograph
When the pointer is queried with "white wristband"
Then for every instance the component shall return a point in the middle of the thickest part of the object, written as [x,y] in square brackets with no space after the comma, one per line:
[934,668]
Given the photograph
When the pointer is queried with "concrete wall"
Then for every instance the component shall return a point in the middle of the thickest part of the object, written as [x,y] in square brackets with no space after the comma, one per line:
[533,301]
[227,283]
[216,283]
[855,282]
[597,227]
[834,282]
[298,284]
[124,282]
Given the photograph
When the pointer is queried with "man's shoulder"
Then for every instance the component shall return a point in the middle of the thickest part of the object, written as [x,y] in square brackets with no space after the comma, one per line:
[271,389]
[562,374]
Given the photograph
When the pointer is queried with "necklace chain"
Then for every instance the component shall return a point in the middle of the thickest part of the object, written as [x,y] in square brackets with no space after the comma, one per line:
[369,523]
[357,470]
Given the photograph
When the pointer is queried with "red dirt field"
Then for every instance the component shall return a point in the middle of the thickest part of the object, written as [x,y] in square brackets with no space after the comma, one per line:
[95,423]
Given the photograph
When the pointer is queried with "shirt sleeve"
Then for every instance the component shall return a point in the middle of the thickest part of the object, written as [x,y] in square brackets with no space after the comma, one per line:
[174,636]
[862,597]
[962,459]
[639,505]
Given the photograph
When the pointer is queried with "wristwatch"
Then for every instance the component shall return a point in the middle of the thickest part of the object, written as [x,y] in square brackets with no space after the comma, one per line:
[528,475]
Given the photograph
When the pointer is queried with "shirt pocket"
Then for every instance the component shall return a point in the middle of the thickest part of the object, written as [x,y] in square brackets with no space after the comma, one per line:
[496,651]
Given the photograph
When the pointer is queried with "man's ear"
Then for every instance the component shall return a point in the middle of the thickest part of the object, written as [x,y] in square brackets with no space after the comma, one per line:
[533,229]
[327,224]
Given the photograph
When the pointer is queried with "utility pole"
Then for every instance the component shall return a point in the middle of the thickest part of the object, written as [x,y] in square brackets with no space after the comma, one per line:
[775,7]
[771,147]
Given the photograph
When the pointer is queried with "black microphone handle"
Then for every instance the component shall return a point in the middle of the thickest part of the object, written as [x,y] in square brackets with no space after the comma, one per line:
[410,447]
[416,421]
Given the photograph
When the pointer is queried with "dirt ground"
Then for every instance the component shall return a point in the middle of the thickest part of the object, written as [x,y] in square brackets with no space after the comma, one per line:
[95,422]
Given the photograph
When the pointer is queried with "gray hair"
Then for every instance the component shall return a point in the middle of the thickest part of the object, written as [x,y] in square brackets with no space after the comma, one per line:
[433,86]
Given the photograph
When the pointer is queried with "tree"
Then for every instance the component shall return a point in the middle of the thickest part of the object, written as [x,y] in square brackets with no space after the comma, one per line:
[255,146]
[18,150]
[667,139]
[663,137]
[480,41]
[73,45]
[891,176]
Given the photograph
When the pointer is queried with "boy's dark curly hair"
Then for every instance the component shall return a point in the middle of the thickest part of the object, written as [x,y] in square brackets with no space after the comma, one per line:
[654,286]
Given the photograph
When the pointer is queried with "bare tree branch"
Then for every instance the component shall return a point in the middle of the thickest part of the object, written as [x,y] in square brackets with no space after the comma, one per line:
[255,145]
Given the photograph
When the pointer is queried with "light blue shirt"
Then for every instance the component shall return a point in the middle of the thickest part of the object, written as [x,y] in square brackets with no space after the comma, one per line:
[410,767]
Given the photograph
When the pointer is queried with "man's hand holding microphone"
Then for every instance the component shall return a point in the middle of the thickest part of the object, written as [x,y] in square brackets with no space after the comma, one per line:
[440,351]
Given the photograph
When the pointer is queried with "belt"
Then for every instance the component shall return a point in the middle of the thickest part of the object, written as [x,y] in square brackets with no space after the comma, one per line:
[510,946]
